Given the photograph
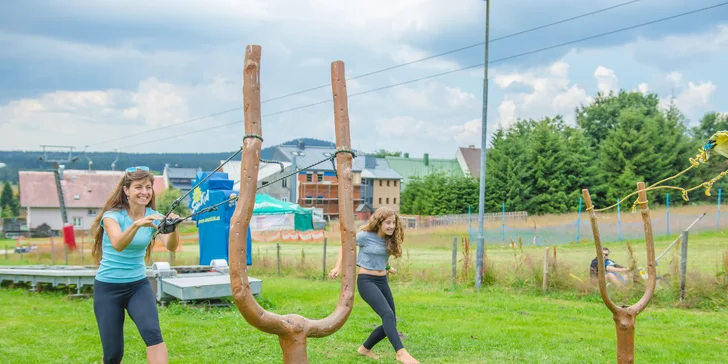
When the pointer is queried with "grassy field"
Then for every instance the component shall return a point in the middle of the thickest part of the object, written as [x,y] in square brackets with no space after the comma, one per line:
[439,326]
[510,320]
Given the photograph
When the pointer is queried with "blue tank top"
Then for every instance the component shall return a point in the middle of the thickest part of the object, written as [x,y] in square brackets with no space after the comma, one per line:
[127,265]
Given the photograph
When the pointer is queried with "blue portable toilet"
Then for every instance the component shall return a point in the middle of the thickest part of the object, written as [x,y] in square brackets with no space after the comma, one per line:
[214,226]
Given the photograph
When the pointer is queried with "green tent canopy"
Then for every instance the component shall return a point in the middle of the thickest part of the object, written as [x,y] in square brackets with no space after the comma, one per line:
[268,205]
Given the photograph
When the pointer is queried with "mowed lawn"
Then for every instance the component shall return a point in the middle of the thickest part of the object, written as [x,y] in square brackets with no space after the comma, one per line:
[439,325]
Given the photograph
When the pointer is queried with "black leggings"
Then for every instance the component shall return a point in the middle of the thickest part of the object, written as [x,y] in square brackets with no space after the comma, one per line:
[375,291]
[110,300]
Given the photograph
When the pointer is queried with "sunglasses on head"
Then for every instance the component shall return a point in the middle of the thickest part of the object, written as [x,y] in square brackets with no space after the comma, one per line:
[137,168]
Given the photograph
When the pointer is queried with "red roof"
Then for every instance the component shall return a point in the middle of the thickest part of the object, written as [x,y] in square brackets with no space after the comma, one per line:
[81,189]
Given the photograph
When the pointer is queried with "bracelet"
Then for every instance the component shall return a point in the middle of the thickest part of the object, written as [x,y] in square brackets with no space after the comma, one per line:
[388,266]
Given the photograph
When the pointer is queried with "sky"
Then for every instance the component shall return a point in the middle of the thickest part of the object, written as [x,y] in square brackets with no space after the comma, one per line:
[106,76]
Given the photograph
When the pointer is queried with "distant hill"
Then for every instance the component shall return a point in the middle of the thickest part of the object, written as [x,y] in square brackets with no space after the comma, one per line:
[28,160]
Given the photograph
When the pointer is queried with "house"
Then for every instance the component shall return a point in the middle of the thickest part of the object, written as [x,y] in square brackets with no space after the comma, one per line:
[380,185]
[469,160]
[84,193]
[180,178]
[267,173]
[318,186]
[419,167]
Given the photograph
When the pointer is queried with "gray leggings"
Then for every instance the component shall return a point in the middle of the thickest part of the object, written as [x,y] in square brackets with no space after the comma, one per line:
[110,301]
[375,291]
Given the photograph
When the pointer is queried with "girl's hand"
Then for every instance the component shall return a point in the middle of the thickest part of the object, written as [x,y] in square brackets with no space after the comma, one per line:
[392,270]
[334,273]
[148,221]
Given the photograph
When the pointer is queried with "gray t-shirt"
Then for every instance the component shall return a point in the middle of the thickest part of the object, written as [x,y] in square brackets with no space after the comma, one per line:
[372,251]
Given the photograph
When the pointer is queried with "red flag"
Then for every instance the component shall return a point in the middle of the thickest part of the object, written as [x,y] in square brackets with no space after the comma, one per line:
[69,237]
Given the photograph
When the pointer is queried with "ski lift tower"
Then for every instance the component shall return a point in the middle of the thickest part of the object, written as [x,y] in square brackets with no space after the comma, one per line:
[58,167]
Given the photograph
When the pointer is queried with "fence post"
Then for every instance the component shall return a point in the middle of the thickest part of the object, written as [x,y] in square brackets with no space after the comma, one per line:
[454,259]
[6,251]
[83,235]
[667,211]
[53,252]
[719,197]
[278,258]
[503,222]
[324,264]
[470,224]
[619,220]
[545,269]
[578,221]
[683,263]
[66,252]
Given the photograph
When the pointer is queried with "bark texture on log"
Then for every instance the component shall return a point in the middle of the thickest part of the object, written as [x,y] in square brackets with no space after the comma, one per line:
[292,330]
[625,317]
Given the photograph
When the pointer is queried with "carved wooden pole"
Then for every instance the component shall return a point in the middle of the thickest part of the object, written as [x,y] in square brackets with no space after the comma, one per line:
[292,330]
[626,316]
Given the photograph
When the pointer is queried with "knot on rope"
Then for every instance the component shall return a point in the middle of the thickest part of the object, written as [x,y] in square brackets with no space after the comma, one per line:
[256,136]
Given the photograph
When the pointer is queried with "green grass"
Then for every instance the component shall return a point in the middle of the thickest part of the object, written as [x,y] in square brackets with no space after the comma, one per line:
[441,326]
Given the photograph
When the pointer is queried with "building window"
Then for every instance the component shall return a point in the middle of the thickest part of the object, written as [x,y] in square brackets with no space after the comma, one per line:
[320,200]
[387,183]
[395,183]
[91,212]
[320,177]
[387,200]
[380,200]
[77,222]
[284,183]
[380,183]
[309,177]
[284,199]
[76,197]
[264,183]
[395,200]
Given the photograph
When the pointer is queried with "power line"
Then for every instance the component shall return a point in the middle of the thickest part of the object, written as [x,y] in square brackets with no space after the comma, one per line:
[452,71]
[377,71]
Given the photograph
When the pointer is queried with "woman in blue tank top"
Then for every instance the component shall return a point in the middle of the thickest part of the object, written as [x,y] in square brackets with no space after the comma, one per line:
[122,242]
[379,239]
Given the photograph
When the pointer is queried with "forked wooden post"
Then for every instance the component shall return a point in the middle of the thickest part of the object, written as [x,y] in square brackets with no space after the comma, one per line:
[292,329]
[626,316]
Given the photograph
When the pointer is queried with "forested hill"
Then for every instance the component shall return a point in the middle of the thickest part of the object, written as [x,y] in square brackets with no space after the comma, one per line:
[28,160]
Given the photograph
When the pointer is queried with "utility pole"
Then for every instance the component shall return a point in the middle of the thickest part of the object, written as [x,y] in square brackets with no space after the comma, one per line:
[58,174]
[483,142]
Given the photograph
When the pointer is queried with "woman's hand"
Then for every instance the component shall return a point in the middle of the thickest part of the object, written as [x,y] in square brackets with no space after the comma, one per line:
[148,221]
[334,272]
[391,270]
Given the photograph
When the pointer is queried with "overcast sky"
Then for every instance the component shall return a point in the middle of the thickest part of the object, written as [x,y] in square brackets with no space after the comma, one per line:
[84,72]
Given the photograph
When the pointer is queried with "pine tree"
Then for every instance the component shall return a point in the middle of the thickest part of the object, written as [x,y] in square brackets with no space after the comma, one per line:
[6,197]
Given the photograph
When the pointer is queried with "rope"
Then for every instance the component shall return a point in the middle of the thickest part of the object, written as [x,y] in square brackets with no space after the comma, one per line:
[233,199]
[256,136]
[273,162]
[701,157]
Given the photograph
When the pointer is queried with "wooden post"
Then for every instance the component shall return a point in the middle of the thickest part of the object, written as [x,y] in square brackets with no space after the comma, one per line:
[683,263]
[625,317]
[83,235]
[292,330]
[545,269]
[324,260]
[454,260]
[53,253]
[278,258]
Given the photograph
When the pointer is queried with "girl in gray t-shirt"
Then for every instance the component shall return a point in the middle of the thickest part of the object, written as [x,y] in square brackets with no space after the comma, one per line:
[379,239]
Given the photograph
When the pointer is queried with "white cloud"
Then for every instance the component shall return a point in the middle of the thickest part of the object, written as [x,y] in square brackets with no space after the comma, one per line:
[693,97]
[551,93]
[84,117]
[643,88]
[399,126]
[467,133]
[606,80]
[674,77]
[406,53]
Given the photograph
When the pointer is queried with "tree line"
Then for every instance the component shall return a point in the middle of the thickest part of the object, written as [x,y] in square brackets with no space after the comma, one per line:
[541,166]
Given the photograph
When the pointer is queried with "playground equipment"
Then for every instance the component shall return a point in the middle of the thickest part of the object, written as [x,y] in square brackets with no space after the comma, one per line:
[625,316]
[292,330]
